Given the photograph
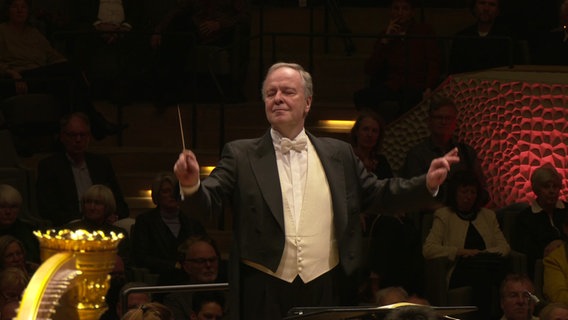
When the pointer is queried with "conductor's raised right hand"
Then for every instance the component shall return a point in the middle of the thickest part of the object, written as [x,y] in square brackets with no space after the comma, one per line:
[186,169]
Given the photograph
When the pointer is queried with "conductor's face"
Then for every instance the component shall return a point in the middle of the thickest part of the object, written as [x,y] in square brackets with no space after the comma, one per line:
[285,101]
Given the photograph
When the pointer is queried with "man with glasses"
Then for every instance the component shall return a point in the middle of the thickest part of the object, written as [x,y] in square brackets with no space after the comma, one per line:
[63,177]
[200,263]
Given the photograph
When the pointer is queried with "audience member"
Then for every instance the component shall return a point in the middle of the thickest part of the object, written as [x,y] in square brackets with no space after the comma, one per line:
[97,204]
[404,64]
[200,262]
[554,311]
[13,282]
[13,253]
[9,310]
[134,300]
[63,177]
[539,226]
[391,295]
[555,261]
[516,303]
[10,223]
[483,45]
[366,137]
[160,231]
[469,236]
[28,58]
[207,306]
[395,252]
[222,23]
[150,311]
[442,122]
[552,45]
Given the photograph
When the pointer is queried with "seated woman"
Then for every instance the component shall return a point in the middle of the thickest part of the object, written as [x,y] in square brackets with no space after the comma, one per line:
[12,255]
[13,282]
[470,237]
[97,205]
[27,58]
[10,224]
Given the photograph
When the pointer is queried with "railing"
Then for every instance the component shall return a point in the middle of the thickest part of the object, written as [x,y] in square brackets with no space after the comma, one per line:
[169,289]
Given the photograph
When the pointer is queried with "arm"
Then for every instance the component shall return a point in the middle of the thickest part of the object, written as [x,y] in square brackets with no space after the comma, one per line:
[435,245]
[555,287]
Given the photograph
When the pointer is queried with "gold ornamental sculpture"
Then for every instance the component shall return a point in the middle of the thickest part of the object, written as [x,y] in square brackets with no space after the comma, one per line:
[74,277]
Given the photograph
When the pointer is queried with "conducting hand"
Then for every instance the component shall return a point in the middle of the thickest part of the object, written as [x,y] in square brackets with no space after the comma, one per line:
[439,169]
[186,169]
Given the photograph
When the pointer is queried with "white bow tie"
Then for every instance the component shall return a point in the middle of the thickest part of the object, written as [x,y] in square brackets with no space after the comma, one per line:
[298,145]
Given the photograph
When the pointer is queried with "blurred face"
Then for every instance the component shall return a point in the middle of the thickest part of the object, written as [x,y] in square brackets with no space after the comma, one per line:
[8,214]
[465,197]
[167,199]
[443,122]
[559,314]
[368,133]
[201,263]
[548,193]
[76,136]
[94,210]
[18,12]
[285,102]
[14,256]
[515,302]
[401,11]
[486,10]
[209,311]
[135,300]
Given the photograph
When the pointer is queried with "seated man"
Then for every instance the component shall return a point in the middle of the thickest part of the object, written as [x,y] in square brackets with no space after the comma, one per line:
[200,263]
[63,177]
[516,301]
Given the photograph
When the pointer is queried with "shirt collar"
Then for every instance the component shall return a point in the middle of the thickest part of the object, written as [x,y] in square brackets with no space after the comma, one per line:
[276,136]
[536,208]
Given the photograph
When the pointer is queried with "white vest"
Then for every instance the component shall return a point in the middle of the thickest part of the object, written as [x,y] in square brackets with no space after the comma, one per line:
[311,250]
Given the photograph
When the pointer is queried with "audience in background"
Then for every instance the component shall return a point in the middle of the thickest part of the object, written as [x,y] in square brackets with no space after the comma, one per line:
[516,303]
[13,282]
[207,306]
[200,262]
[555,262]
[10,224]
[150,311]
[554,311]
[552,45]
[483,45]
[115,300]
[97,205]
[220,23]
[442,123]
[28,58]
[63,177]
[469,236]
[159,232]
[13,253]
[539,227]
[405,63]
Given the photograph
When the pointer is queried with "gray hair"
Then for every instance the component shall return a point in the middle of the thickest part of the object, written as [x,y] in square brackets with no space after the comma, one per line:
[546,172]
[306,77]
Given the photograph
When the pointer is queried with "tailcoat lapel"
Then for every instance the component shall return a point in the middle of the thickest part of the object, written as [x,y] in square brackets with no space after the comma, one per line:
[265,171]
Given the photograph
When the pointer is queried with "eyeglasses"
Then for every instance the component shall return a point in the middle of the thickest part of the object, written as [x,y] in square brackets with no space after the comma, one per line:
[76,135]
[203,261]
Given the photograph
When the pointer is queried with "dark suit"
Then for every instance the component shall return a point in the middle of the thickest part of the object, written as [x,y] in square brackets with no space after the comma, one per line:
[247,175]
[156,246]
[57,197]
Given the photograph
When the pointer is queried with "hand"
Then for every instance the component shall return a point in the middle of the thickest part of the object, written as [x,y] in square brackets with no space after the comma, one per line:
[466,253]
[186,169]
[439,169]
[393,28]
[208,27]
[156,41]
